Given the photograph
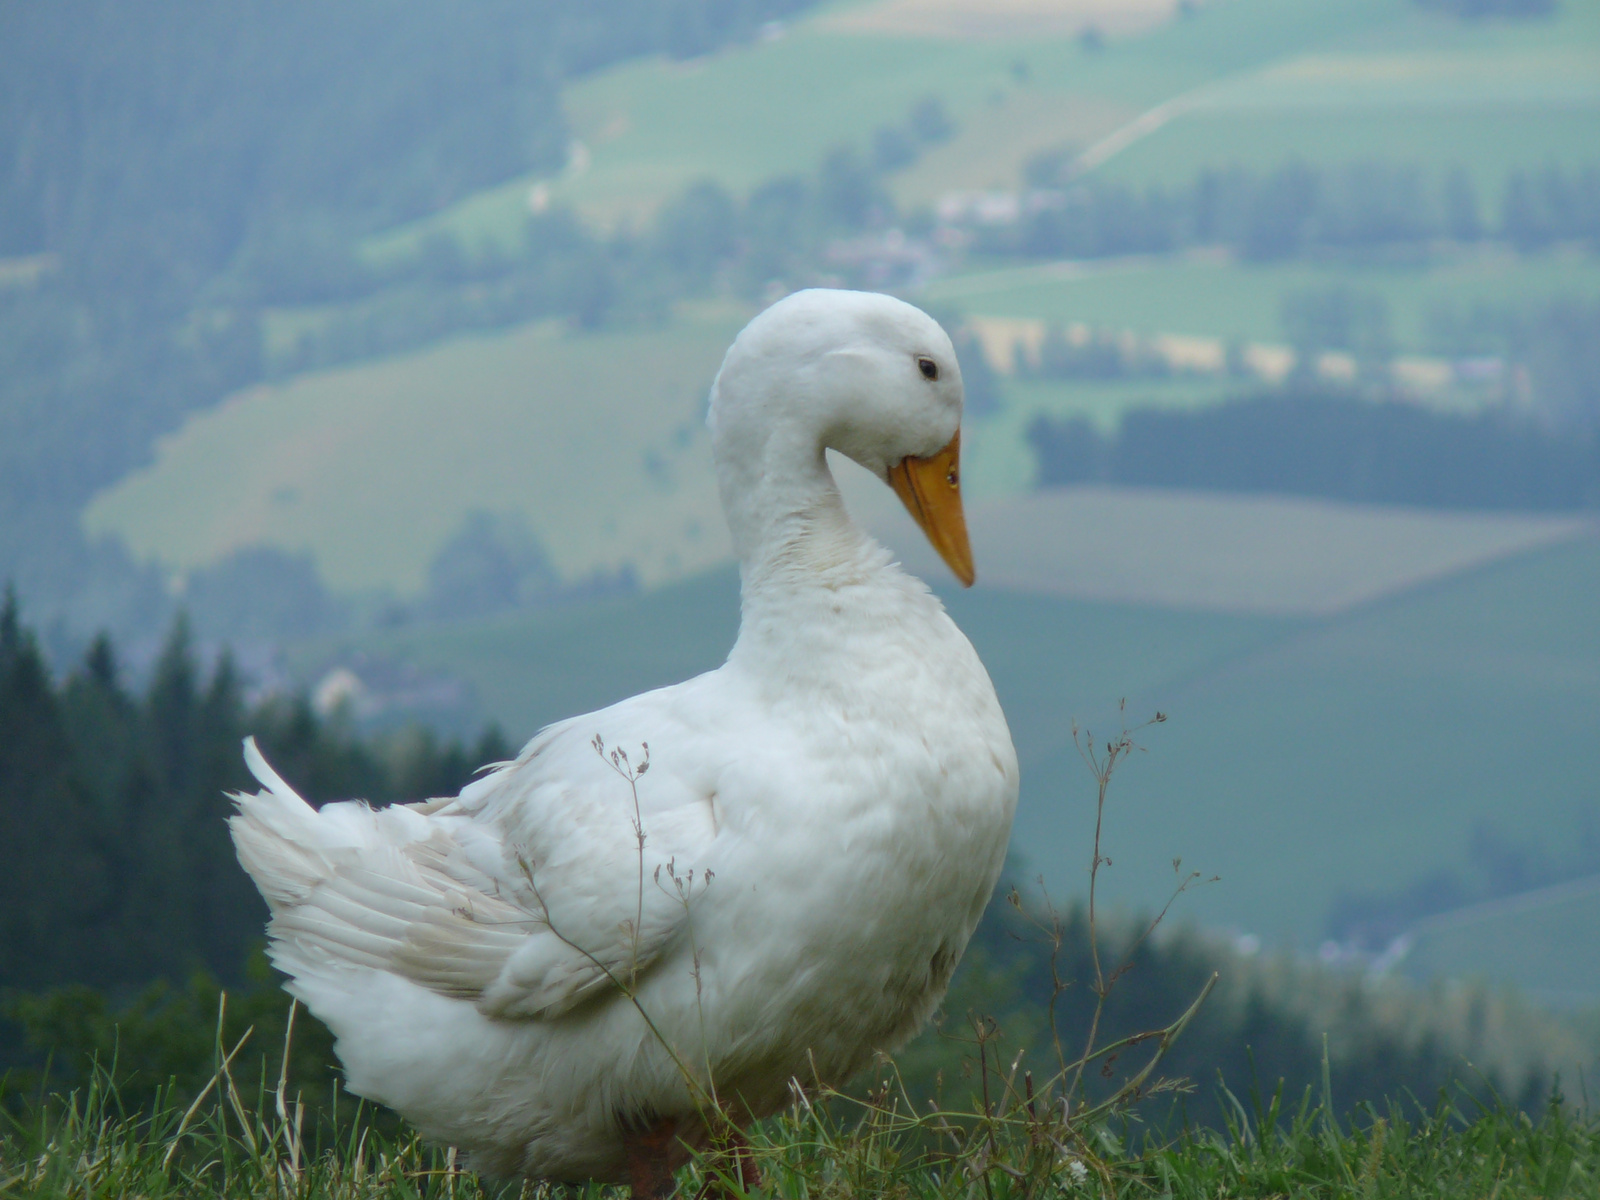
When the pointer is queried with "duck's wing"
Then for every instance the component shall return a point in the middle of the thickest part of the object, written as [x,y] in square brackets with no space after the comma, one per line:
[552,879]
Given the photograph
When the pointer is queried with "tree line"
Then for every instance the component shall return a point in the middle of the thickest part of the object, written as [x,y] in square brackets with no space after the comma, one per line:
[1538,364]
[115,862]
[1308,441]
[1298,208]
[1557,343]
[1471,9]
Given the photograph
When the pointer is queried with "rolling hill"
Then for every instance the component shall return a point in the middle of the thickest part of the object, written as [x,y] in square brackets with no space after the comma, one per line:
[1368,752]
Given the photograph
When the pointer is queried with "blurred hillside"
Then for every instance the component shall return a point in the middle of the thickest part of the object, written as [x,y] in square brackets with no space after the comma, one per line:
[170,171]
[380,345]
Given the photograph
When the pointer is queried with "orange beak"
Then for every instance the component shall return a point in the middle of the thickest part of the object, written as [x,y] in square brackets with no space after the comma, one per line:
[930,488]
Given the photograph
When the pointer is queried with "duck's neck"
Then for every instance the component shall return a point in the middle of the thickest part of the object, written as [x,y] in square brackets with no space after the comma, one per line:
[807,572]
[786,515]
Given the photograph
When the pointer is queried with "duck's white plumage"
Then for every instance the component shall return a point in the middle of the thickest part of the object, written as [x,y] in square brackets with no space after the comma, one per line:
[841,789]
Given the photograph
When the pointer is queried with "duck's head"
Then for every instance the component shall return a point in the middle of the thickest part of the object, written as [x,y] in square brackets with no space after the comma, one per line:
[858,372]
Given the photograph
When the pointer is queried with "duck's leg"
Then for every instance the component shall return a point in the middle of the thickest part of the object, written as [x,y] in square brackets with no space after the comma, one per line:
[651,1157]
[735,1149]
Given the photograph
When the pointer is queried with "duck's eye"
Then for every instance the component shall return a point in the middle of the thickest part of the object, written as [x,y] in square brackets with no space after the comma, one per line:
[930,369]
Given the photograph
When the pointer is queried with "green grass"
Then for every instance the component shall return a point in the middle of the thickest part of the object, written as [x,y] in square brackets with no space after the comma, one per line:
[597,440]
[88,1145]
[185,1092]
[1489,140]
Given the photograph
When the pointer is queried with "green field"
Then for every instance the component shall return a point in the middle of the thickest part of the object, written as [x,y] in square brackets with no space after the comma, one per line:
[650,128]
[1490,96]
[1362,754]
[528,669]
[979,1136]
[1052,659]
[1490,141]
[1547,943]
[597,440]
[1257,554]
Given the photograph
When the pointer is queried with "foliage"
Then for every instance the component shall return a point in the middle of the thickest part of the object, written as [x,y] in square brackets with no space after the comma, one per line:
[183,133]
[1362,207]
[1492,8]
[1338,318]
[1557,343]
[260,594]
[496,564]
[1321,443]
[115,863]
[158,1043]
[250,1137]
[705,241]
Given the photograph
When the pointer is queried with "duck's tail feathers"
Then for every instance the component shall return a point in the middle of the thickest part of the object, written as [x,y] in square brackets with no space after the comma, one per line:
[278,837]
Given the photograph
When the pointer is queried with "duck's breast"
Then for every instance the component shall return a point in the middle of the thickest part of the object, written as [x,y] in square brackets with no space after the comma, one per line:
[866,825]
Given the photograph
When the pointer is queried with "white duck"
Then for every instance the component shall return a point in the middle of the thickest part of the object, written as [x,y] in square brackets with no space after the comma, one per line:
[557,968]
